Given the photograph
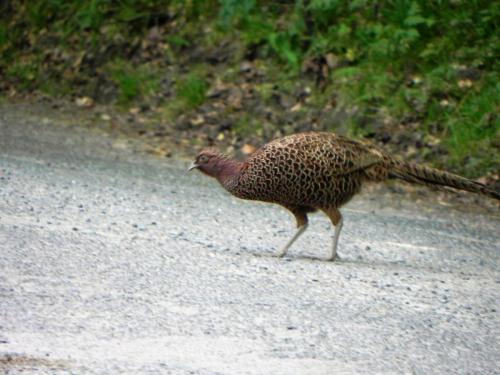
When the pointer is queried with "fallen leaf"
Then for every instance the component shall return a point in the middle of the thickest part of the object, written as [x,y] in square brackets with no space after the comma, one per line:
[84,102]
[247,149]
[159,151]
[198,120]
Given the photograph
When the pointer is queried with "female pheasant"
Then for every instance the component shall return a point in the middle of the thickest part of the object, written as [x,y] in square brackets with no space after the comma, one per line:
[314,171]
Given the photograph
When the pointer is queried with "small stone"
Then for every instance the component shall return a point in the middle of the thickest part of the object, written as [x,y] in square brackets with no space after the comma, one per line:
[465,83]
[332,60]
[245,67]
[444,103]
[416,80]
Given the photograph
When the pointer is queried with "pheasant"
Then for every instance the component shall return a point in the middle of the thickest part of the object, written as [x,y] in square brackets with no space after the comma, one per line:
[313,171]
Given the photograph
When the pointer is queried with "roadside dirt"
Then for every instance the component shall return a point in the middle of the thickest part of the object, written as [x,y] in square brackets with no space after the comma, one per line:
[143,136]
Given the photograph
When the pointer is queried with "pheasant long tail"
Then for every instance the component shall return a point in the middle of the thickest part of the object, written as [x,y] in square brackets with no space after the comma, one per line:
[434,177]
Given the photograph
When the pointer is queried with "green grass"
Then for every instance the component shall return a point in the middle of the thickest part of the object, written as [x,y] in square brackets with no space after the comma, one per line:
[178,41]
[474,125]
[24,73]
[133,82]
[190,93]
[247,126]
[192,90]
[4,37]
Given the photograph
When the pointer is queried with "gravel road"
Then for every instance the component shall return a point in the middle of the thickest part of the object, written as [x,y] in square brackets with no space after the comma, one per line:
[117,263]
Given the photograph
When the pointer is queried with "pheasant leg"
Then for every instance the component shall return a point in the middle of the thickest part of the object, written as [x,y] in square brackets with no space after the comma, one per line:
[337,221]
[300,214]
[338,228]
[297,234]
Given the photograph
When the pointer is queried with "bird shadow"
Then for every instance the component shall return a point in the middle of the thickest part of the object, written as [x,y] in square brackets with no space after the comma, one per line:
[345,260]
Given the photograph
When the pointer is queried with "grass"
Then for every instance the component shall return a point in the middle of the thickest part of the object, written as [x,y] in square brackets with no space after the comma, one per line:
[190,93]
[247,126]
[474,125]
[24,73]
[192,89]
[133,82]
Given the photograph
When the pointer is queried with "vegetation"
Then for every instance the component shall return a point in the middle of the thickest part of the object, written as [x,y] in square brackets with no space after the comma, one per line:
[131,81]
[430,66]
[192,90]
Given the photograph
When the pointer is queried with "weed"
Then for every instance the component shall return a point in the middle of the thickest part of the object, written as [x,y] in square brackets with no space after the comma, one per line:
[178,41]
[4,37]
[247,125]
[265,91]
[132,82]
[25,73]
[474,124]
[192,90]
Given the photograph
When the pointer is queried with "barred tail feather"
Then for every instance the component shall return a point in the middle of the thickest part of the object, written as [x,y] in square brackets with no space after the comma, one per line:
[434,177]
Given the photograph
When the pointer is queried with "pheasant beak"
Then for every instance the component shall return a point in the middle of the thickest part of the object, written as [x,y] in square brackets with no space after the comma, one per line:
[193,166]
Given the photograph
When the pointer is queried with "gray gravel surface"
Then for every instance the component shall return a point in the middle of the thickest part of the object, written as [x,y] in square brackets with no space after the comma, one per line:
[116,263]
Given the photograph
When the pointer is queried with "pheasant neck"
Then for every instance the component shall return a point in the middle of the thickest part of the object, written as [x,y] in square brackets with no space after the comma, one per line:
[227,172]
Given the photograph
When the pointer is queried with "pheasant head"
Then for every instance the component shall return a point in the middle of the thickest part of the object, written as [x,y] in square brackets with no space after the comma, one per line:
[215,164]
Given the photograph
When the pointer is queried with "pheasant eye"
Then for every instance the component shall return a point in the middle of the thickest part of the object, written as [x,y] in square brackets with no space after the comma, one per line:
[203,159]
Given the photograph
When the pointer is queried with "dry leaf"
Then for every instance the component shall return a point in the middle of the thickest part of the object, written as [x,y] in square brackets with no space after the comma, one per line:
[84,102]
[198,120]
[159,151]
[248,149]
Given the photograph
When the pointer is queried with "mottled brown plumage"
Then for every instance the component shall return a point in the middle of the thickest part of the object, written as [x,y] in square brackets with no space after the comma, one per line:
[318,171]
